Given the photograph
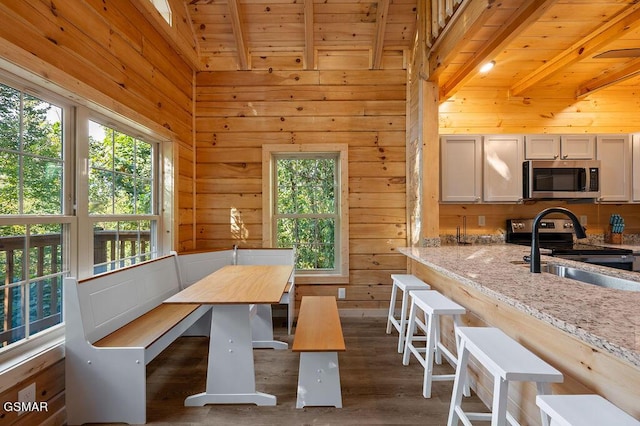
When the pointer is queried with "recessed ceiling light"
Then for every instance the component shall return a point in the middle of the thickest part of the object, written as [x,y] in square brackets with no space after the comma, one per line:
[487,67]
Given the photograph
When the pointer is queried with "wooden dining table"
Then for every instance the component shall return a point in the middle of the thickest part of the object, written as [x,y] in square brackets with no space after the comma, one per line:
[231,291]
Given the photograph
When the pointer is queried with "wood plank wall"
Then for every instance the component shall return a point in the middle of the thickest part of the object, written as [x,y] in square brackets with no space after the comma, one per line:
[238,112]
[108,54]
[488,111]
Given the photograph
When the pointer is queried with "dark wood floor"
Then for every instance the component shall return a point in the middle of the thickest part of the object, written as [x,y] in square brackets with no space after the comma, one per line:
[376,388]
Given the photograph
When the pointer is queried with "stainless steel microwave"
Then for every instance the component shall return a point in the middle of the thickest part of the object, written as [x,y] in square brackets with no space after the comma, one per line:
[560,179]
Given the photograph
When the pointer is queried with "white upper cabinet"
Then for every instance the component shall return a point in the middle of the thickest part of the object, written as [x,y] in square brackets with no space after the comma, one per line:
[502,166]
[461,169]
[636,167]
[614,153]
[577,147]
[555,147]
[542,147]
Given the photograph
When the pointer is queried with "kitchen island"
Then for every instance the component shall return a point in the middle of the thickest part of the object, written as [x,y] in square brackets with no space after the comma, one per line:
[591,334]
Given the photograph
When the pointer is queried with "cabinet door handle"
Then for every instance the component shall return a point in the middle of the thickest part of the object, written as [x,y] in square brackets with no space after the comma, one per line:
[555,157]
[564,157]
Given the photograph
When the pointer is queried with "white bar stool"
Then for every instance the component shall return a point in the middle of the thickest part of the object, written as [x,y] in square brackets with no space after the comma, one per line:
[434,305]
[505,359]
[404,283]
[583,410]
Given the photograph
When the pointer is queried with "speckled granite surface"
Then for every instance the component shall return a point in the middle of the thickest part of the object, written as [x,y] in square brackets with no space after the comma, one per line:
[605,318]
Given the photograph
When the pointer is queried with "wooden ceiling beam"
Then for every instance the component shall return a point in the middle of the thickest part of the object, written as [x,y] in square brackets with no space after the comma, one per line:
[520,20]
[381,26]
[468,19]
[632,69]
[238,33]
[623,23]
[309,47]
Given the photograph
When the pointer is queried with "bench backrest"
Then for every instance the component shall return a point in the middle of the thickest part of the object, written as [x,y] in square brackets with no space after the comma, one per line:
[266,256]
[195,266]
[111,300]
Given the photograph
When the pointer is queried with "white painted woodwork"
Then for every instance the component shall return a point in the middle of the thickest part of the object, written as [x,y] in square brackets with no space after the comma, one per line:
[614,153]
[502,167]
[461,168]
[542,147]
[563,147]
[636,167]
[577,147]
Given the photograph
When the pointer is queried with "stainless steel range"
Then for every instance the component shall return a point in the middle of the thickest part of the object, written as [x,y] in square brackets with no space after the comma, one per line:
[557,235]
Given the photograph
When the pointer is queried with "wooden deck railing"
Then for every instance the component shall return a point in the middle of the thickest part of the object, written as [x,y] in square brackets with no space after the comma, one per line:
[41,293]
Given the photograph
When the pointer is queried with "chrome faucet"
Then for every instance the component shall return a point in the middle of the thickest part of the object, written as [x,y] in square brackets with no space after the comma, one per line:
[535,237]
[234,255]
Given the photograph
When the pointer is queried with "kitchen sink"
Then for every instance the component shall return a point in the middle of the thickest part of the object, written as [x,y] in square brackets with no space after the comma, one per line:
[591,277]
[588,277]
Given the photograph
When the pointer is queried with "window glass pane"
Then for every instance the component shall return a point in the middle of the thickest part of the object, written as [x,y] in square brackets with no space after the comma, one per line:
[100,192]
[42,131]
[33,296]
[125,194]
[124,153]
[9,118]
[306,186]
[144,160]
[121,174]
[42,186]
[143,196]
[121,243]
[46,261]
[100,146]
[312,238]
[9,175]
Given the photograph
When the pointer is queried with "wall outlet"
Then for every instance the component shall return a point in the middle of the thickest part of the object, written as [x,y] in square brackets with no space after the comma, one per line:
[481,221]
[27,394]
[583,220]
[342,293]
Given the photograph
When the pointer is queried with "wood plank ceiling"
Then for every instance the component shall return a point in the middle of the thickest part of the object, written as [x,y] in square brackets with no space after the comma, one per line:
[537,45]
[540,46]
[303,34]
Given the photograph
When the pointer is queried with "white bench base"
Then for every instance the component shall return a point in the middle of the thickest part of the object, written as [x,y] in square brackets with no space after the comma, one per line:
[262,329]
[230,370]
[319,380]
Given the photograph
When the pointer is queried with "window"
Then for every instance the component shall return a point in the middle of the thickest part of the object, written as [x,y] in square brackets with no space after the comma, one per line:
[60,217]
[162,6]
[121,195]
[34,230]
[306,206]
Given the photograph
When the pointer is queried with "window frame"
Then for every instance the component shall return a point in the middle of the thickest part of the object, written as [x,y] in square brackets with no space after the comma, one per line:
[269,154]
[77,110]
[85,219]
[22,348]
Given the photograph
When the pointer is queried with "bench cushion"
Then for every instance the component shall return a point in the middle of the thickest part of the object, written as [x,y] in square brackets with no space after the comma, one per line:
[319,328]
[146,329]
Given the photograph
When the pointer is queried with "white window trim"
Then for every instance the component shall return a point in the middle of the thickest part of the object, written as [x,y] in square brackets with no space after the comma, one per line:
[268,151]
[17,361]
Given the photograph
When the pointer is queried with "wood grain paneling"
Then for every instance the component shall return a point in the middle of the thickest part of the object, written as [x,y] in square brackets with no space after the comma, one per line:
[238,112]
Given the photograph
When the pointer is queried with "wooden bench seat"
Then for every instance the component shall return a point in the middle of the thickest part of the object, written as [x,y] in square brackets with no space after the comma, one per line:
[148,328]
[318,338]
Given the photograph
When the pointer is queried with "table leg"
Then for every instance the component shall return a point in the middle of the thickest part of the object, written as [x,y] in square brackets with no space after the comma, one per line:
[230,370]
[262,329]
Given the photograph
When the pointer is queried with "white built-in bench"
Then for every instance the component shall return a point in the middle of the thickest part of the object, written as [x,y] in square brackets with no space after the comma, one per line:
[318,338]
[115,325]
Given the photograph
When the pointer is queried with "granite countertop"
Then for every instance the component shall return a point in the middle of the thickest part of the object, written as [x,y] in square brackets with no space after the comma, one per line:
[608,319]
